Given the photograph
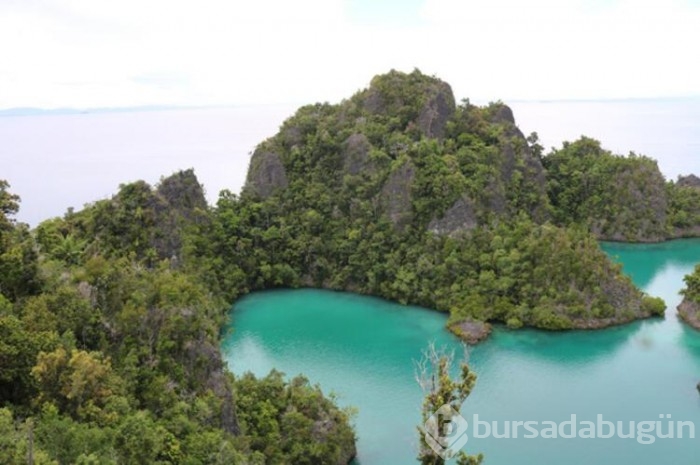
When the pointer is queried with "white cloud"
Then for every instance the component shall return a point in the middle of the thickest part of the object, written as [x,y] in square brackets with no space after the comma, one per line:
[130,52]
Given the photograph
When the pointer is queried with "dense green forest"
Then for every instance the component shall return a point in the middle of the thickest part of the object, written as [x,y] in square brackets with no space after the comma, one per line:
[110,317]
[401,193]
[619,198]
[109,347]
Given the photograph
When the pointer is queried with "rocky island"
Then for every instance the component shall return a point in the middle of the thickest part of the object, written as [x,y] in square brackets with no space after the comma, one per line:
[402,193]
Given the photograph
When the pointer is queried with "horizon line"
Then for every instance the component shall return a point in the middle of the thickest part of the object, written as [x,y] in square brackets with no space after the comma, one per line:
[65,110]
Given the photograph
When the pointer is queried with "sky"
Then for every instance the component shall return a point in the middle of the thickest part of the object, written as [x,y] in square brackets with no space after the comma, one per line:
[106,53]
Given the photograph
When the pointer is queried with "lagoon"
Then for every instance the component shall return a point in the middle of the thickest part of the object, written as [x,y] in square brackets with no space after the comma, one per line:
[364,349]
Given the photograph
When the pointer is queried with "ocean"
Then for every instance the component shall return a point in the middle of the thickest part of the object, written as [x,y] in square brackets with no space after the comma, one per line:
[57,161]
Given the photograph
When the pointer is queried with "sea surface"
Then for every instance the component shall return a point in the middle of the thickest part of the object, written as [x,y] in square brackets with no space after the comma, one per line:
[364,349]
[57,161]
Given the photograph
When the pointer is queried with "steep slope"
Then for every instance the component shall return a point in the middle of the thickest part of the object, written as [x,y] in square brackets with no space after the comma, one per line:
[401,193]
[689,308]
[619,198]
[113,356]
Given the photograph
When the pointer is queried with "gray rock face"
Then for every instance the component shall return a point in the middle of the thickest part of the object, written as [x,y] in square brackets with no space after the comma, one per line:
[438,109]
[183,192]
[435,106]
[514,146]
[643,191]
[460,217]
[356,154]
[689,312]
[688,181]
[395,197]
[266,174]
[503,114]
[471,331]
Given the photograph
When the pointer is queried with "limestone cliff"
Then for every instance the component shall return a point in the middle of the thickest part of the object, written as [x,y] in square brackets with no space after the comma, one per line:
[395,197]
[688,181]
[401,193]
[266,174]
[689,312]
[460,217]
[429,105]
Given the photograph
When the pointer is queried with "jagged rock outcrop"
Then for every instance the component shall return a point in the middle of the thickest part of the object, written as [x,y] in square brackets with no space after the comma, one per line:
[356,154]
[642,190]
[436,104]
[395,197]
[460,217]
[178,202]
[688,181]
[183,193]
[470,331]
[145,220]
[519,164]
[689,312]
[266,174]
[437,110]
[621,198]
[465,172]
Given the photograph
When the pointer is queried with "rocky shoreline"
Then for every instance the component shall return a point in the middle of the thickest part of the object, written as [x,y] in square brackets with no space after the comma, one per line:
[689,312]
[470,331]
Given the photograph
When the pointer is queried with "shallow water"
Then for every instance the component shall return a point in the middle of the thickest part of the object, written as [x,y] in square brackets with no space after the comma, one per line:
[364,349]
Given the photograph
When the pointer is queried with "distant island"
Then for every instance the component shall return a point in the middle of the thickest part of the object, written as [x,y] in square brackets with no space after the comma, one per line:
[111,317]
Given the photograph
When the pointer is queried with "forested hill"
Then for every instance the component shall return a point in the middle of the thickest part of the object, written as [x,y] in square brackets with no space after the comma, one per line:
[620,198]
[400,192]
[109,346]
[451,167]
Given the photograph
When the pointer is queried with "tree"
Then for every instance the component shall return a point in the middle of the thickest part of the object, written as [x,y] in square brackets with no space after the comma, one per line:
[441,408]
[9,205]
[80,383]
[18,353]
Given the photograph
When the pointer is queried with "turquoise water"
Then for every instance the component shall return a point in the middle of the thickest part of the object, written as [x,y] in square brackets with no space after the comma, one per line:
[363,349]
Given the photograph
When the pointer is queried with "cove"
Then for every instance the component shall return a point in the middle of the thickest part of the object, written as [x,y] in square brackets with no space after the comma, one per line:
[363,349]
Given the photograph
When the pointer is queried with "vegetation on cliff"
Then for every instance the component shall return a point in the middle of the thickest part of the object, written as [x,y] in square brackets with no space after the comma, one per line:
[689,308]
[619,198]
[110,317]
[109,347]
[399,192]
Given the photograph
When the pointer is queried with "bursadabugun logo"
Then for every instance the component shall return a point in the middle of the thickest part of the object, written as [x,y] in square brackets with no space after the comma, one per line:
[446,430]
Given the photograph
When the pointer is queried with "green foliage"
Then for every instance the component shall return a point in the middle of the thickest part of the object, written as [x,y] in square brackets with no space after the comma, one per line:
[653,306]
[692,286]
[9,205]
[19,270]
[618,198]
[19,348]
[16,442]
[109,343]
[292,422]
[110,317]
[79,383]
[684,209]
[433,374]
